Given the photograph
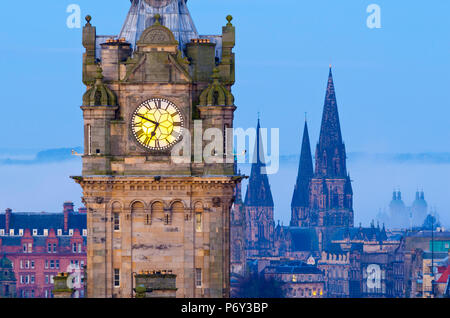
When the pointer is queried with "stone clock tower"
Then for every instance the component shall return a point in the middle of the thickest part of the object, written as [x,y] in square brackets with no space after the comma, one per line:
[147,89]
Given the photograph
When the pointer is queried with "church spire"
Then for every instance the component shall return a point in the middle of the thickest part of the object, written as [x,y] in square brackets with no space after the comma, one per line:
[330,153]
[305,173]
[258,190]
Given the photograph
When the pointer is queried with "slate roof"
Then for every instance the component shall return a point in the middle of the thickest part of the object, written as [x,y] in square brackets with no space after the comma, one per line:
[294,267]
[303,239]
[366,234]
[41,221]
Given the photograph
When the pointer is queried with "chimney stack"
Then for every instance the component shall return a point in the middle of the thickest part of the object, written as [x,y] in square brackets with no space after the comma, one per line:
[82,210]
[68,208]
[8,213]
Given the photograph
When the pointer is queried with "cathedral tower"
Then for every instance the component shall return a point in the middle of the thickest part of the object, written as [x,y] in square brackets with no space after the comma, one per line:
[300,199]
[259,205]
[331,194]
[147,91]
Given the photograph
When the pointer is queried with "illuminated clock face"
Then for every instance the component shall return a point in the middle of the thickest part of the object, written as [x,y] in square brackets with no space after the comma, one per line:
[157,124]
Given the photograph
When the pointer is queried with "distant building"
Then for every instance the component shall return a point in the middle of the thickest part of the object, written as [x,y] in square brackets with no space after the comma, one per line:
[7,279]
[300,279]
[427,255]
[41,245]
[401,216]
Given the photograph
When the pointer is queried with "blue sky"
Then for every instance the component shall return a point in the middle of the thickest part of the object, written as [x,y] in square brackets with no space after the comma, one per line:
[392,83]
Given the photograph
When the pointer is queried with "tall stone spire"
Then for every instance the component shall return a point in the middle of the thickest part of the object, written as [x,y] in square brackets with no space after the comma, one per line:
[305,173]
[330,153]
[300,199]
[258,190]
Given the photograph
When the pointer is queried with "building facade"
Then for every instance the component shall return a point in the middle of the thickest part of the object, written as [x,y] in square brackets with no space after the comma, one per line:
[41,245]
[153,91]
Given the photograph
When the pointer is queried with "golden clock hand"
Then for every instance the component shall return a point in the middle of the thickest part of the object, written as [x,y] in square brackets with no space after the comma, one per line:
[151,121]
[154,130]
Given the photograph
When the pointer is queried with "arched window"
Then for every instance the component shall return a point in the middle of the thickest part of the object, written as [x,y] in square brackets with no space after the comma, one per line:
[158,211]
[177,211]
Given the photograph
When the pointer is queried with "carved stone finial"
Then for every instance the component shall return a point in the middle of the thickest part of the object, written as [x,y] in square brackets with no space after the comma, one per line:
[157,18]
[229,19]
[88,19]
[99,74]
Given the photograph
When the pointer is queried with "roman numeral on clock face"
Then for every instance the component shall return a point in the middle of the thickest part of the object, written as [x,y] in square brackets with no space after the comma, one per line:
[140,133]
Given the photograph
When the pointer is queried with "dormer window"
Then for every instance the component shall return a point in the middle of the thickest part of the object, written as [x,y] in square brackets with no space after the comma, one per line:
[84,232]
[11,232]
[20,232]
[45,232]
[2,232]
[59,232]
[35,232]
[70,232]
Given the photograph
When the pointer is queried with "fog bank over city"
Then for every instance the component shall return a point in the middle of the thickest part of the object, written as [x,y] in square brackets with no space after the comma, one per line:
[33,181]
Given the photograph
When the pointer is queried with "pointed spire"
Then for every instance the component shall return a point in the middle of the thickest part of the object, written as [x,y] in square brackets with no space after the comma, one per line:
[330,154]
[258,190]
[331,130]
[305,173]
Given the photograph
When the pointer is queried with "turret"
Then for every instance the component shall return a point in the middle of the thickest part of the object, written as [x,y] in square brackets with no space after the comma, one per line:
[99,108]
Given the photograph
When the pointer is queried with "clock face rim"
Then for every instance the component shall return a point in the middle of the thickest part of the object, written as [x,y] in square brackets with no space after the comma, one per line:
[157,149]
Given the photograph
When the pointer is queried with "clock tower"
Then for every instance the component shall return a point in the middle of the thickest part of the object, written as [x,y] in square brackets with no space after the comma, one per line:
[149,89]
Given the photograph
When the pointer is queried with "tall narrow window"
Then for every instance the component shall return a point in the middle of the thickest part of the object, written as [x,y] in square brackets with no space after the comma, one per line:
[198,209]
[89,140]
[198,277]
[116,221]
[167,219]
[225,140]
[198,222]
[116,277]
